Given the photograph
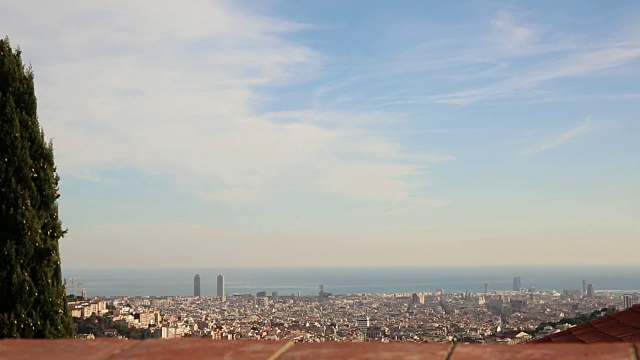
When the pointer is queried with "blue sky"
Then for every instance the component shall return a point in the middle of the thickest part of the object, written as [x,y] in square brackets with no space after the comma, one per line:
[290,133]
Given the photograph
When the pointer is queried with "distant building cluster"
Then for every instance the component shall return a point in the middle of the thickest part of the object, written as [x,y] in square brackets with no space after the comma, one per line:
[219,286]
[86,308]
[488,317]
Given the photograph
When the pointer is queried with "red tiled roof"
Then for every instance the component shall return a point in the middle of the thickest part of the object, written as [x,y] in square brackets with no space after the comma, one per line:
[195,349]
[620,326]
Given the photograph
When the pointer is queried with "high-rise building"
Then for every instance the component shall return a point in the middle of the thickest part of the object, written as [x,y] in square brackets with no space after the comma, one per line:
[517,285]
[590,291]
[628,300]
[363,325]
[84,293]
[584,287]
[486,288]
[196,285]
[417,298]
[220,288]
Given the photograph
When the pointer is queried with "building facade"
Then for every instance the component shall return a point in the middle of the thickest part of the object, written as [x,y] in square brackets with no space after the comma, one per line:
[363,325]
[220,287]
[517,285]
[628,300]
[196,285]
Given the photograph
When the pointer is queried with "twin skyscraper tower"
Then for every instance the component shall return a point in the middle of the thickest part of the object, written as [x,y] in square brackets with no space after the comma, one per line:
[220,286]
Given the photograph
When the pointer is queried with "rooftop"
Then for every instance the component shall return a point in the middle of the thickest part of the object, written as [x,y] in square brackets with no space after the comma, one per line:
[194,349]
[621,326]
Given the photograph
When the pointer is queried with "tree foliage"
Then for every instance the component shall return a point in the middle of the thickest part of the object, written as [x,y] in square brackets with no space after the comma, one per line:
[32,295]
[579,319]
[96,325]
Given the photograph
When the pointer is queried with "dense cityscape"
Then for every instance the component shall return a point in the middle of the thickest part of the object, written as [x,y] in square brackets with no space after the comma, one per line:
[503,317]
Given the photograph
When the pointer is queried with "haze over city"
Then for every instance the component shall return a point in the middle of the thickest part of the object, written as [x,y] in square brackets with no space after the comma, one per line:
[307,133]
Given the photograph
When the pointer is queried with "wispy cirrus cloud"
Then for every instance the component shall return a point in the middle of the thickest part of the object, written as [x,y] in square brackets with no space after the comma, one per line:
[505,59]
[527,83]
[510,33]
[177,91]
[559,140]
[233,129]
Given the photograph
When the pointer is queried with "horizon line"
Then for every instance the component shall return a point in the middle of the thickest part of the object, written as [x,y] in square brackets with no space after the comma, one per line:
[356,266]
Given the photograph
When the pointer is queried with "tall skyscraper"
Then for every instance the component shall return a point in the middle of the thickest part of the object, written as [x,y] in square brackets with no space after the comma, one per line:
[486,288]
[220,292]
[590,291]
[627,301]
[196,285]
[417,298]
[414,298]
[363,325]
[584,287]
[516,284]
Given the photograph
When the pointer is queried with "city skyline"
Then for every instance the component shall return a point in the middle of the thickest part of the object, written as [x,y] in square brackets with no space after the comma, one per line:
[286,281]
[339,134]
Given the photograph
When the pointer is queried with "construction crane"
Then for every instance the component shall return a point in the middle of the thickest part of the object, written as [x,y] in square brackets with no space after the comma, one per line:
[75,279]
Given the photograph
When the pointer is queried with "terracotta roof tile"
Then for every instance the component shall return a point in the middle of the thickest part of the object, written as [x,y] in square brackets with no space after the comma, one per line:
[566,336]
[631,318]
[621,326]
[366,351]
[202,349]
[542,351]
[195,349]
[62,349]
[616,329]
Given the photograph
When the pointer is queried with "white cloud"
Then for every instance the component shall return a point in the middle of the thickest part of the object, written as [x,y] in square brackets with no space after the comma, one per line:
[506,59]
[484,50]
[526,84]
[384,182]
[174,91]
[560,140]
[508,32]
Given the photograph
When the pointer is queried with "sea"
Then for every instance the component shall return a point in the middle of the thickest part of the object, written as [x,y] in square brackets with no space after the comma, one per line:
[347,280]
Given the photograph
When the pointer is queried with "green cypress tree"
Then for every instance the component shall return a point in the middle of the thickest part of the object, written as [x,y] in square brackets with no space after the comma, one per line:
[32,295]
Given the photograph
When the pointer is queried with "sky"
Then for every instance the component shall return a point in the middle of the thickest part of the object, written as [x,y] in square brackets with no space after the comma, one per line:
[339,133]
